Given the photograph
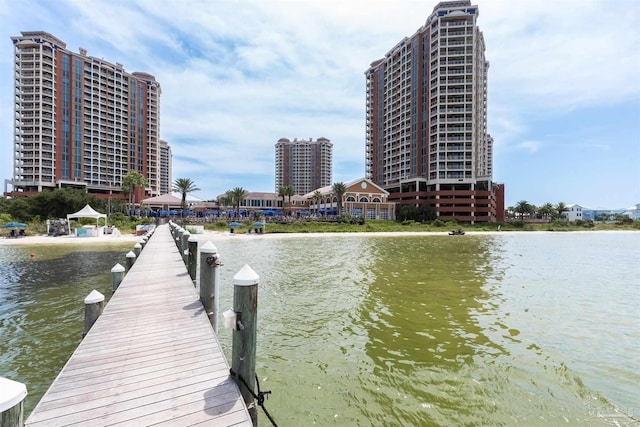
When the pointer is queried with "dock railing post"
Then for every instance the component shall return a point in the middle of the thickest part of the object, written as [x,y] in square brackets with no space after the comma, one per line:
[179,233]
[12,394]
[192,258]
[172,228]
[245,304]
[137,248]
[117,274]
[209,281]
[184,246]
[93,306]
[131,259]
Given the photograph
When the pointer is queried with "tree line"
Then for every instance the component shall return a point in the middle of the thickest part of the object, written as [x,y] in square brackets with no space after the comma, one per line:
[547,211]
[58,203]
[235,196]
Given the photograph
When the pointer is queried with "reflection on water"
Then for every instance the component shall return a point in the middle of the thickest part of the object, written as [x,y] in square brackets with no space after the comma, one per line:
[431,330]
[529,329]
[422,339]
[42,309]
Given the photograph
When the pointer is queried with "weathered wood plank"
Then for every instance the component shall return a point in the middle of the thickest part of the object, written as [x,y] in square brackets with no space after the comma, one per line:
[106,379]
[124,385]
[96,405]
[150,359]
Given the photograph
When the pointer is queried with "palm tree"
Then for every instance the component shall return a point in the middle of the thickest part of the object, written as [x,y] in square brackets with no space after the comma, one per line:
[289,191]
[224,201]
[237,195]
[560,209]
[282,192]
[523,207]
[546,211]
[184,186]
[317,197]
[130,183]
[339,189]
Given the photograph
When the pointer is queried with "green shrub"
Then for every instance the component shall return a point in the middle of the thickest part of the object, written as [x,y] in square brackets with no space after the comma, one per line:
[438,223]
[584,223]
[625,221]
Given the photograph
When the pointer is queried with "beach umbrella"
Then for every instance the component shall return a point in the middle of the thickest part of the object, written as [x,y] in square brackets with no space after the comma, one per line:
[14,225]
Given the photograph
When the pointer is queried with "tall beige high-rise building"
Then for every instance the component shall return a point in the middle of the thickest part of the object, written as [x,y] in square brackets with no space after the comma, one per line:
[166,172]
[81,121]
[304,164]
[426,119]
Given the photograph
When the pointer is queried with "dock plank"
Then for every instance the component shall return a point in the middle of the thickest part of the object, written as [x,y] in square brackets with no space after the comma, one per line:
[151,358]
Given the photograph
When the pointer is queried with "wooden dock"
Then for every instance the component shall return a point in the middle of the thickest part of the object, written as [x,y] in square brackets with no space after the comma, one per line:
[151,358]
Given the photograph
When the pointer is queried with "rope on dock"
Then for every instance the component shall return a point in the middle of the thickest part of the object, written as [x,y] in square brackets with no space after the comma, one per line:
[260,397]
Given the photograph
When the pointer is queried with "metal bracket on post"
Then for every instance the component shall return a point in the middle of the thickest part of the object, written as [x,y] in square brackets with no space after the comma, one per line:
[213,261]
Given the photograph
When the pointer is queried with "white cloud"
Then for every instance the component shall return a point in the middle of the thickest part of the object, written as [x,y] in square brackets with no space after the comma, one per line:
[565,53]
[529,146]
[236,76]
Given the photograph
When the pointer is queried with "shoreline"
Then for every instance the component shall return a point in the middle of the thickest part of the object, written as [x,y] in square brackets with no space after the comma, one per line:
[225,235]
[68,240]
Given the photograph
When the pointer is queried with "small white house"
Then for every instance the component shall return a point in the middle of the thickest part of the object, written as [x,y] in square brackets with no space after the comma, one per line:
[574,212]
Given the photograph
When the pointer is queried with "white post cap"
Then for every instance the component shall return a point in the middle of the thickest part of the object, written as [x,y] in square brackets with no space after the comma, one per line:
[11,393]
[208,248]
[94,297]
[246,277]
[117,268]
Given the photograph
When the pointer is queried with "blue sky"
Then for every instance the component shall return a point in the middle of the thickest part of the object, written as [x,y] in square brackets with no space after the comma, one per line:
[564,83]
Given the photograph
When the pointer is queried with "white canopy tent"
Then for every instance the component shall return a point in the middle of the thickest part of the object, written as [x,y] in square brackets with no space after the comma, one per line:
[87,212]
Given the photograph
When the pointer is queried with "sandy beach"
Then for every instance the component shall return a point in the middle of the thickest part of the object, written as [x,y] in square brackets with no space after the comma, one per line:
[67,240]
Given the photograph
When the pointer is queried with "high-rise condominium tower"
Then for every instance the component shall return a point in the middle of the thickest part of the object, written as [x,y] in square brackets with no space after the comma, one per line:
[81,121]
[304,164]
[426,116]
[165,167]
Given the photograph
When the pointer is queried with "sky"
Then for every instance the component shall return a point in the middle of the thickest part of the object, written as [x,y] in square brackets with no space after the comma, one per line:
[236,76]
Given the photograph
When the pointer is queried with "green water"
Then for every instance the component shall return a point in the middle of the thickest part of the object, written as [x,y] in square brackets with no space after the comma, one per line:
[509,329]
[42,307]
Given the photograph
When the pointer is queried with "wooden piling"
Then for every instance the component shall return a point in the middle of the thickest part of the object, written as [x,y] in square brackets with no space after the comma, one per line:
[192,257]
[93,306]
[137,248]
[117,274]
[245,304]
[12,394]
[184,246]
[179,233]
[209,281]
[131,259]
